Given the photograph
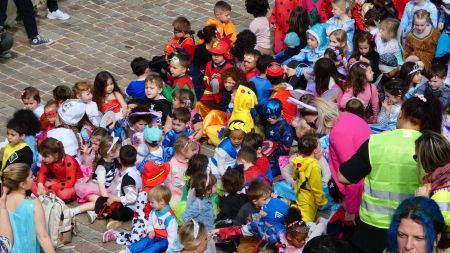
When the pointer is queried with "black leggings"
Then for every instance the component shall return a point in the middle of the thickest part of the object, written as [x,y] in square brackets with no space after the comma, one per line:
[120,213]
[25,8]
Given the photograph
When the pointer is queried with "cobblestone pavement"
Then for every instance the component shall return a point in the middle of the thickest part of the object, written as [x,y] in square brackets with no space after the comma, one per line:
[100,35]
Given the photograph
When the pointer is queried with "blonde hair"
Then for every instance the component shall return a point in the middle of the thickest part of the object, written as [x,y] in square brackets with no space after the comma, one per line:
[341,37]
[184,143]
[105,146]
[391,25]
[327,114]
[341,4]
[81,86]
[186,235]
[160,192]
[15,174]
[421,14]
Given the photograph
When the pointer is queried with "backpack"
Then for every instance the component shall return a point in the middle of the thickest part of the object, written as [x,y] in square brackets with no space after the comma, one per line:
[58,222]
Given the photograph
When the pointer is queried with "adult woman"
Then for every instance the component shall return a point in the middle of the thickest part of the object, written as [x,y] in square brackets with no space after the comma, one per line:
[26,214]
[433,157]
[386,163]
[6,234]
[417,226]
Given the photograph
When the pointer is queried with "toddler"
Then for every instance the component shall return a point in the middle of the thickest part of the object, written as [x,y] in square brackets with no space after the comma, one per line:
[162,227]
[153,89]
[280,91]
[62,93]
[134,134]
[152,137]
[260,24]
[32,100]
[308,178]
[180,126]
[136,88]
[108,95]
[338,39]
[82,91]
[182,38]
[222,21]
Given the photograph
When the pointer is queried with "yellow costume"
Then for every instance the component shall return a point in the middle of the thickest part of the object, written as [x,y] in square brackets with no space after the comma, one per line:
[224,29]
[244,101]
[308,186]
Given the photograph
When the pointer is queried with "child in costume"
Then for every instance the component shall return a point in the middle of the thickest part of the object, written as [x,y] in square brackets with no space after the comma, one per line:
[308,178]
[16,151]
[260,24]
[292,42]
[278,132]
[364,50]
[279,20]
[48,118]
[413,6]
[162,228]
[121,207]
[213,80]
[179,64]
[222,20]
[444,40]
[274,74]
[269,226]
[226,152]
[194,237]
[32,100]
[83,91]
[339,39]
[341,20]
[58,172]
[421,40]
[108,95]
[250,58]
[182,38]
[180,126]
[255,142]
[411,73]
[217,119]
[246,159]
[136,88]
[154,88]
[103,181]
[386,39]
[152,137]
[184,148]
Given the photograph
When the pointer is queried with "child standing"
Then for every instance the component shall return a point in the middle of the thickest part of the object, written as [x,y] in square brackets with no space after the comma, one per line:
[16,151]
[179,64]
[279,20]
[364,51]
[307,174]
[421,40]
[386,41]
[278,131]
[341,20]
[247,158]
[108,95]
[82,91]
[358,85]
[162,227]
[154,85]
[58,172]
[436,85]
[250,58]
[32,100]
[136,88]
[260,24]
[122,206]
[180,126]
[222,20]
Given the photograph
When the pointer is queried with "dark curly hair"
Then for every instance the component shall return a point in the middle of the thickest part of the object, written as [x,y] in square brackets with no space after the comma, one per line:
[245,40]
[258,8]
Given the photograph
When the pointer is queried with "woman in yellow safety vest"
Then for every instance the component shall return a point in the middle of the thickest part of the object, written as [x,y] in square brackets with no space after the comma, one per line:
[433,156]
[386,163]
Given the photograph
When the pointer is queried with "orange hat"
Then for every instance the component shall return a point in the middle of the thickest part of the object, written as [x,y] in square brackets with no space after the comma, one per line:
[154,174]
[274,69]
[219,47]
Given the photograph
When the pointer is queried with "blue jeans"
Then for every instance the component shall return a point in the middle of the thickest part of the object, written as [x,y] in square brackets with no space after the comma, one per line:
[149,245]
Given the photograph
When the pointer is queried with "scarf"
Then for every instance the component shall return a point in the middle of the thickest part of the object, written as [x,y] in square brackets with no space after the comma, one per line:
[438,178]
[9,151]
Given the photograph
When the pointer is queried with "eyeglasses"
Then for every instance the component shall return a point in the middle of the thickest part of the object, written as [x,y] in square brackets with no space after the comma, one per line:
[176,30]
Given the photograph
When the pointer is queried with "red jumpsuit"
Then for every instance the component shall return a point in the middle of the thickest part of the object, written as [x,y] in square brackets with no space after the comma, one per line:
[64,175]
[280,18]
[214,92]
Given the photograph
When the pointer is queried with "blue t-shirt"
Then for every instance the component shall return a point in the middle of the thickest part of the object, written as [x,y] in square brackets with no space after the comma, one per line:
[263,88]
[136,89]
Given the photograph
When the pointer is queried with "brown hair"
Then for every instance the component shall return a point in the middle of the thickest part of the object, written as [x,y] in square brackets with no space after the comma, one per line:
[232,180]
[182,114]
[341,37]
[391,25]
[186,235]
[30,92]
[257,190]
[105,145]
[357,77]
[247,154]
[203,184]
[186,98]
[160,192]
[52,146]
[81,86]
[355,106]
[183,143]
[154,78]
[221,6]
[182,24]
[421,14]
[306,144]
[50,103]
[14,174]
[183,60]
[236,74]
[432,150]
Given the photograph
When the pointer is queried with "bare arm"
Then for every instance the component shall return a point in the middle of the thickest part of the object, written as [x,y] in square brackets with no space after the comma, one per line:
[121,100]
[198,130]
[5,228]
[41,231]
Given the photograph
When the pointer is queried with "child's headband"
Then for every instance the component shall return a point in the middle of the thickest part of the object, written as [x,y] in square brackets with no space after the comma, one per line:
[196,228]
[237,125]
[298,226]
[416,68]
[115,140]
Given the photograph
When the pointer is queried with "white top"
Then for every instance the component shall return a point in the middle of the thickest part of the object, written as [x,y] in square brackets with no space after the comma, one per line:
[93,113]
[39,110]
[261,28]
[68,139]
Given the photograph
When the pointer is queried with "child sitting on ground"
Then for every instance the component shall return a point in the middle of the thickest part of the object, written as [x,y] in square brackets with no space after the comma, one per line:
[32,100]
[16,151]
[436,85]
[308,178]
[134,135]
[153,91]
[152,137]
[83,91]
[180,126]
[250,58]
[179,64]
[247,158]
[61,93]
[136,88]
[193,236]
[255,141]
[162,228]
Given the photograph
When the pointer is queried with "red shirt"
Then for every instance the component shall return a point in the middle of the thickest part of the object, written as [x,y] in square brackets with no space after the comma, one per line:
[251,73]
[258,170]
[289,109]
[210,69]
[66,171]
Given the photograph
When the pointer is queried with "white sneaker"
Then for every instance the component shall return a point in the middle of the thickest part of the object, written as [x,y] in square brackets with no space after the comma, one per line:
[58,14]
[91,216]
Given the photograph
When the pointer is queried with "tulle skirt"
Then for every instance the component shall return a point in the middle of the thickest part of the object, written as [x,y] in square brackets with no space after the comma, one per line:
[84,189]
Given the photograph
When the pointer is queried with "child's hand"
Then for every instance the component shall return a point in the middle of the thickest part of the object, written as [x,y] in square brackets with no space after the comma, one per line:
[447,11]
[41,189]
[387,105]
[441,25]
[128,141]
[86,149]
[424,190]
[151,234]
[214,232]
[262,213]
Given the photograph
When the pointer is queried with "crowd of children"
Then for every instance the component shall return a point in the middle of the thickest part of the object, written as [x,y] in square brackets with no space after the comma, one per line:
[283,124]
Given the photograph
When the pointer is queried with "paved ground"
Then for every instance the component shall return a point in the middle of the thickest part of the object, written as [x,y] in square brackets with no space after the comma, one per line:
[101,35]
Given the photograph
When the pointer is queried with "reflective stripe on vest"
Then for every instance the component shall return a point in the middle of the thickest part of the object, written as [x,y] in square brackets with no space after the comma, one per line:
[393,177]
[442,198]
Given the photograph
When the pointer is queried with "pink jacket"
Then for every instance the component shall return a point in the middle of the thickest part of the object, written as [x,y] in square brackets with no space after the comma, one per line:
[365,96]
[347,135]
